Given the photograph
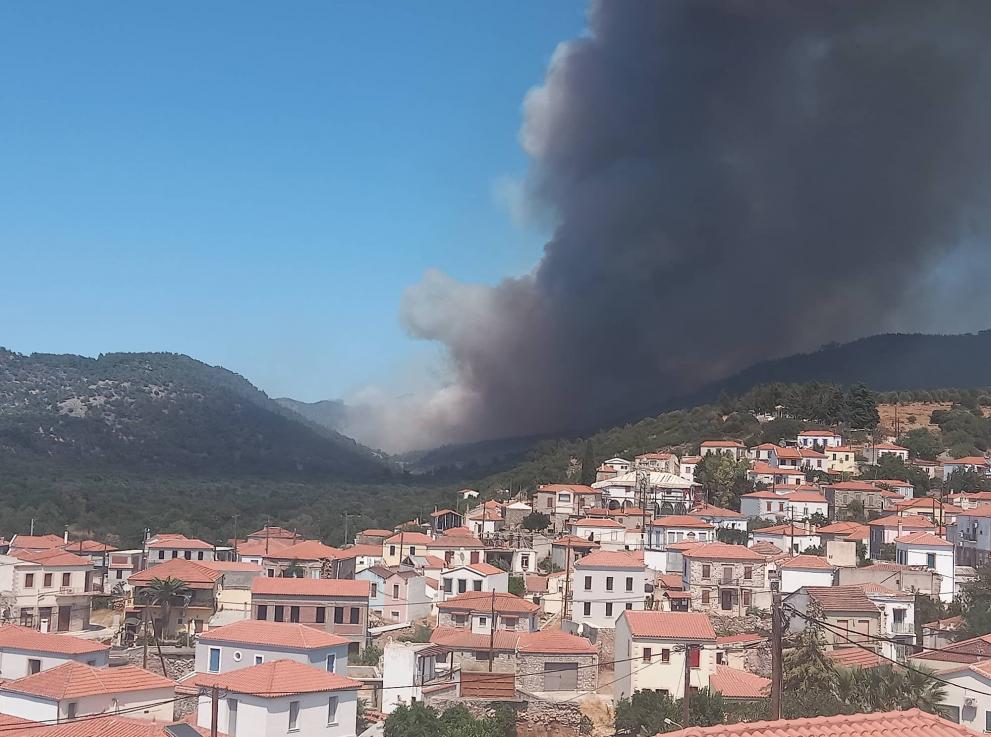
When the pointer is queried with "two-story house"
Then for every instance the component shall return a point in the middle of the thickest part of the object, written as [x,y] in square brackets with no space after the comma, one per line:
[35,543]
[338,606]
[884,530]
[561,501]
[976,464]
[404,543]
[821,438]
[478,627]
[311,558]
[50,589]
[971,536]
[804,570]
[841,459]
[610,534]
[457,547]
[405,596]
[841,496]
[200,599]
[659,462]
[850,615]
[719,517]
[279,697]
[473,577]
[791,538]
[605,584]
[252,642]
[168,546]
[25,651]
[732,448]
[651,648]
[724,579]
[933,552]
[876,451]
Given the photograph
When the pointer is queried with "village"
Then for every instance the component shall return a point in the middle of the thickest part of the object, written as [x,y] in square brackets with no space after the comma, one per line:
[565,602]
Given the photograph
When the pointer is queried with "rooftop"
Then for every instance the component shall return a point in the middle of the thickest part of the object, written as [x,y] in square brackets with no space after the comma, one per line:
[808,562]
[723,551]
[307,550]
[277,678]
[74,680]
[708,510]
[681,520]
[923,538]
[596,522]
[26,638]
[842,599]
[181,542]
[278,634]
[739,684]
[612,559]
[910,723]
[485,601]
[327,587]
[195,576]
[693,626]
[554,641]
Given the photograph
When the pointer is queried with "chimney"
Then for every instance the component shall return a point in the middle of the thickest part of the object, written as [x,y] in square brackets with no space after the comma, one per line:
[899,528]
[65,534]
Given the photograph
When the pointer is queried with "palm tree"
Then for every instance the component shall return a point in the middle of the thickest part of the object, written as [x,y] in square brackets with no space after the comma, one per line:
[924,692]
[163,593]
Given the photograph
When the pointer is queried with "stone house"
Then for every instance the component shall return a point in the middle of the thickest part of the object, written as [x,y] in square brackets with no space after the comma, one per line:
[203,586]
[555,661]
[852,617]
[725,579]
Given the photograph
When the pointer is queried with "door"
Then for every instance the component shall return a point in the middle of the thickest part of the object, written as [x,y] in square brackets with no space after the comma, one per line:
[232,717]
[64,618]
[560,676]
[726,600]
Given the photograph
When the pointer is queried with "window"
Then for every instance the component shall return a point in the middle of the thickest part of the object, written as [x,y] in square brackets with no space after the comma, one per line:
[214,665]
[549,502]
[355,615]
[746,597]
[29,580]
[338,615]
[119,574]
[462,585]
[34,666]
[70,710]
[694,656]
[629,606]
[293,716]
[476,585]
[460,620]
[294,614]
[719,658]
[375,590]
[608,583]
[509,622]
[587,609]
[199,556]
[769,506]
[259,659]
[175,553]
[262,612]
[706,570]
[608,608]
[705,596]
[231,716]
[748,573]
[237,656]
[646,655]
[588,583]
[665,655]
[524,561]
[473,557]
[331,711]
[48,580]
[66,579]
[931,560]
[395,591]
[412,550]
[188,555]
[447,586]
[280,613]
[392,550]
[564,498]
[331,662]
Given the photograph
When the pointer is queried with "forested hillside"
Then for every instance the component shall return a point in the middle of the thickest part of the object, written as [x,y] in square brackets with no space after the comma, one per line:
[164,411]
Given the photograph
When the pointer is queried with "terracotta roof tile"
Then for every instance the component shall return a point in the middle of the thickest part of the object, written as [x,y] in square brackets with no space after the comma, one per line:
[464,639]
[894,520]
[910,723]
[277,678]
[180,542]
[233,566]
[36,542]
[486,569]
[536,583]
[722,444]
[611,559]
[409,538]
[482,601]
[745,637]
[25,638]
[854,657]
[738,684]
[681,520]
[965,651]
[574,541]
[723,551]
[74,680]
[708,510]
[262,547]
[670,625]
[923,538]
[307,550]
[54,558]
[842,599]
[194,574]
[281,634]
[807,562]
[595,522]
[554,641]
[329,587]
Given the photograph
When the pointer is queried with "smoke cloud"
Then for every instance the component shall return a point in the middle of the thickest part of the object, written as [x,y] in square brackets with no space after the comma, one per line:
[730,181]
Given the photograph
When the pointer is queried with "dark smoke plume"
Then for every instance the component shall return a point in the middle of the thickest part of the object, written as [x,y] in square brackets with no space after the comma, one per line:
[731,181]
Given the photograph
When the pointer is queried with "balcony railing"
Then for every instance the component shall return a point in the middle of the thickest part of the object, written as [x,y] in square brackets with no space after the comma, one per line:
[901,628]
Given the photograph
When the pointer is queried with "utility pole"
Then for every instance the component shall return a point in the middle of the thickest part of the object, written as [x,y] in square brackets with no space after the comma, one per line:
[235,535]
[144,636]
[214,704]
[567,579]
[492,614]
[686,711]
[32,526]
[776,655]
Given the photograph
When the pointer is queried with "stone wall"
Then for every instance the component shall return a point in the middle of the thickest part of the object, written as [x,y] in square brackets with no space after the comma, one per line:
[712,584]
[533,715]
[530,670]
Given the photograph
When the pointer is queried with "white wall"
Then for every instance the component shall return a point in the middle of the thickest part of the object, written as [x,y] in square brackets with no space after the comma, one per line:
[633,674]
[918,556]
[257,717]
[598,597]
[14,663]
[32,707]
[972,687]
[792,579]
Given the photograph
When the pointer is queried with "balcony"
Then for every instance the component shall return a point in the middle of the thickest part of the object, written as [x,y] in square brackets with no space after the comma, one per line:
[901,628]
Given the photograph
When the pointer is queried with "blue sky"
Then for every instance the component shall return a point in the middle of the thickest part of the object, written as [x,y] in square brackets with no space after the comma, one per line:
[255,184]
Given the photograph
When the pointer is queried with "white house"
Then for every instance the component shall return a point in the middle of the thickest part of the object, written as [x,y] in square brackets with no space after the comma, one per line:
[788,537]
[804,570]
[278,698]
[24,651]
[979,464]
[252,642]
[74,690]
[604,585]
[651,648]
[968,700]
[931,551]
[874,453]
[678,527]
[897,625]
[971,536]
[473,577]
[764,504]
[688,466]
[48,589]
[731,448]
[825,438]
[719,517]
[609,533]
[166,546]
[762,473]
[805,502]
[406,668]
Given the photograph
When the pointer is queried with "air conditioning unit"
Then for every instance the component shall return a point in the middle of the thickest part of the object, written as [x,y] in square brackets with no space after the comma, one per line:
[970,701]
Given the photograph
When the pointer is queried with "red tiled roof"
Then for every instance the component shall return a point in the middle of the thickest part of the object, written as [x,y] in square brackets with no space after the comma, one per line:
[923,538]
[708,510]
[482,601]
[806,562]
[36,542]
[307,550]
[854,657]
[842,599]
[611,559]
[106,725]
[54,558]
[805,496]
[554,641]
[74,680]
[574,541]
[593,522]
[965,651]
[791,453]
[179,542]
[670,625]
[277,678]
[767,549]
[876,588]
[409,538]
[576,488]
[364,549]
[723,551]
[262,547]
[968,461]
[738,684]
[281,634]
[464,639]
[817,434]
[332,587]
[681,520]
[810,453]
[194,574]
[948,624]
[234,566]
[670,581]
[87,546]
[372,532]
[762,494]
[889,446]
[683,545]
[486,569]
[766,470]
[442,512]
[453,542]
[25,638]
[910,723]
[271,531]
[535,583]
[894,520]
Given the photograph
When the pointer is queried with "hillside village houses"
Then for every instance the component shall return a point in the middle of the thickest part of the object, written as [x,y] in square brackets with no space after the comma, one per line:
[636,574]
